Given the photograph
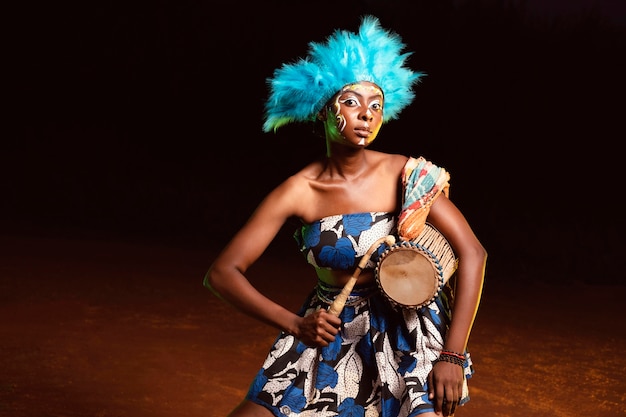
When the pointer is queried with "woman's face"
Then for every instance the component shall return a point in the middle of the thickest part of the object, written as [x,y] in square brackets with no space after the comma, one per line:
[354,116]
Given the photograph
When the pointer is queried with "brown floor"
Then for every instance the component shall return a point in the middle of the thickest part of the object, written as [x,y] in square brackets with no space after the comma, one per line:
[102,328]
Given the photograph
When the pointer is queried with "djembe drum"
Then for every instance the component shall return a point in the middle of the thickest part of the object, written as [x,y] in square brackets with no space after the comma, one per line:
[411,274]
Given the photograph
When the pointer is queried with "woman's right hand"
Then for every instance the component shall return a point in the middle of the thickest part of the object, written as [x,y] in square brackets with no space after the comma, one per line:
[318,329]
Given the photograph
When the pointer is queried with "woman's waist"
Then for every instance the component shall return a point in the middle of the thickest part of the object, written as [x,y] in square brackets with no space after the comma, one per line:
[337,278]
[362,290]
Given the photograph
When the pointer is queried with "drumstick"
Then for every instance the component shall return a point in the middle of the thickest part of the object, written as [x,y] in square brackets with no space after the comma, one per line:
[340,301]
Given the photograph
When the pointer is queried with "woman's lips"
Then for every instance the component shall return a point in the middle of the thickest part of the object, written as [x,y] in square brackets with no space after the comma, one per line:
[362,132]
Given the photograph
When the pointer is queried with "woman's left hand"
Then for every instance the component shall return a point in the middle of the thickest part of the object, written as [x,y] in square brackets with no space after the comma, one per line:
[445,387]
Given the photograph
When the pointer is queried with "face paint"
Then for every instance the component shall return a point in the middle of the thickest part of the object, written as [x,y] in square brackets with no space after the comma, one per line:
[341,120]
[358,114]
[370,88]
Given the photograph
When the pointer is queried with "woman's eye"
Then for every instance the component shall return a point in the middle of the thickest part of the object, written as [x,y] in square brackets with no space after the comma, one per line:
[350,102]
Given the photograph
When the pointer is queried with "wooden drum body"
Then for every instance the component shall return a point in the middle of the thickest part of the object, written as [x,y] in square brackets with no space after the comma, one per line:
[411,274]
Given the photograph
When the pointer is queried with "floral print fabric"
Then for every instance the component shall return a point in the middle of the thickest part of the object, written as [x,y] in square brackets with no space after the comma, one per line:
[377,366]
[339,242]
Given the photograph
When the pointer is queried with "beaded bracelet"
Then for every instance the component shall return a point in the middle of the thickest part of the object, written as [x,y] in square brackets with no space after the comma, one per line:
[458,355]
[451,357]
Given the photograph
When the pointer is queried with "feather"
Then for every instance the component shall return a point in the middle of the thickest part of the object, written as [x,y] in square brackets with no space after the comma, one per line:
[298,90]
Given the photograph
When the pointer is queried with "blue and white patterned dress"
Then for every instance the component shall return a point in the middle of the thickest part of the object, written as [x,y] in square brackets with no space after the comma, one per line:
[379,362]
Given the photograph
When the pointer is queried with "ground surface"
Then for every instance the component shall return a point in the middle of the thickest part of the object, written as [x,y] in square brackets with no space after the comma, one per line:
[109,328]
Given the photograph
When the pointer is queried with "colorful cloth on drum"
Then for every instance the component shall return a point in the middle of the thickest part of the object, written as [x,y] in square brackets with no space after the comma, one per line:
[339,242]
[422,182]
[377,366]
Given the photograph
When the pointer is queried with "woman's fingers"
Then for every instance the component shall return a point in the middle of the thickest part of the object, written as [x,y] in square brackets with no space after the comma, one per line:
[319,329]
[445,387]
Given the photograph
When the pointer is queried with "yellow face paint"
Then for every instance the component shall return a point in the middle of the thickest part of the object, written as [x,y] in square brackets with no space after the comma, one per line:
[371,88]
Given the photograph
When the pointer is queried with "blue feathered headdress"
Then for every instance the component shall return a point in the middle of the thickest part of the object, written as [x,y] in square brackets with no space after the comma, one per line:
[299,90]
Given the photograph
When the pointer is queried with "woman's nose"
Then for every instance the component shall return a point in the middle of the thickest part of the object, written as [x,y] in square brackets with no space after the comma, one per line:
[367,115]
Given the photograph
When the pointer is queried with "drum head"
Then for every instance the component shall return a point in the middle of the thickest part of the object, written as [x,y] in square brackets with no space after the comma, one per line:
[408,276]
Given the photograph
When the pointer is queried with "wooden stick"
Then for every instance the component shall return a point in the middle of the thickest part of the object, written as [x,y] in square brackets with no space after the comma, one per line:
[340,301]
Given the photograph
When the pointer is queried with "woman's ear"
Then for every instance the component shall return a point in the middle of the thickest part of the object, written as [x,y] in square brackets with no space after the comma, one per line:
[321,115]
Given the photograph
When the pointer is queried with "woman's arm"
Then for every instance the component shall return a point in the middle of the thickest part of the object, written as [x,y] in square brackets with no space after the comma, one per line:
[226,276]
[470,274]
[446,379]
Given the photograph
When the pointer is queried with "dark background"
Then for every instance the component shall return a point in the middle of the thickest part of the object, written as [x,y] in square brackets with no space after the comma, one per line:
[142,120]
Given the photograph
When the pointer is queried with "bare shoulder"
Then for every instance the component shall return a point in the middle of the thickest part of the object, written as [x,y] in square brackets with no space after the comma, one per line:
[294,192]
[299,181]
[390,162]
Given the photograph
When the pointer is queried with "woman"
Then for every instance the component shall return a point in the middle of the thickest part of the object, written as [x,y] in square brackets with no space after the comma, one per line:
[375,358]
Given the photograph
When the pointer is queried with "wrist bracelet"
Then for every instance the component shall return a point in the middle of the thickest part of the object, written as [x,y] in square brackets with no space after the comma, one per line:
[450,358]
[451,353]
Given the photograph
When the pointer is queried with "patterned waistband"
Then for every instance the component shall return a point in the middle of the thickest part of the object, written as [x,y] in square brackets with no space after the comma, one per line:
[359,293]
